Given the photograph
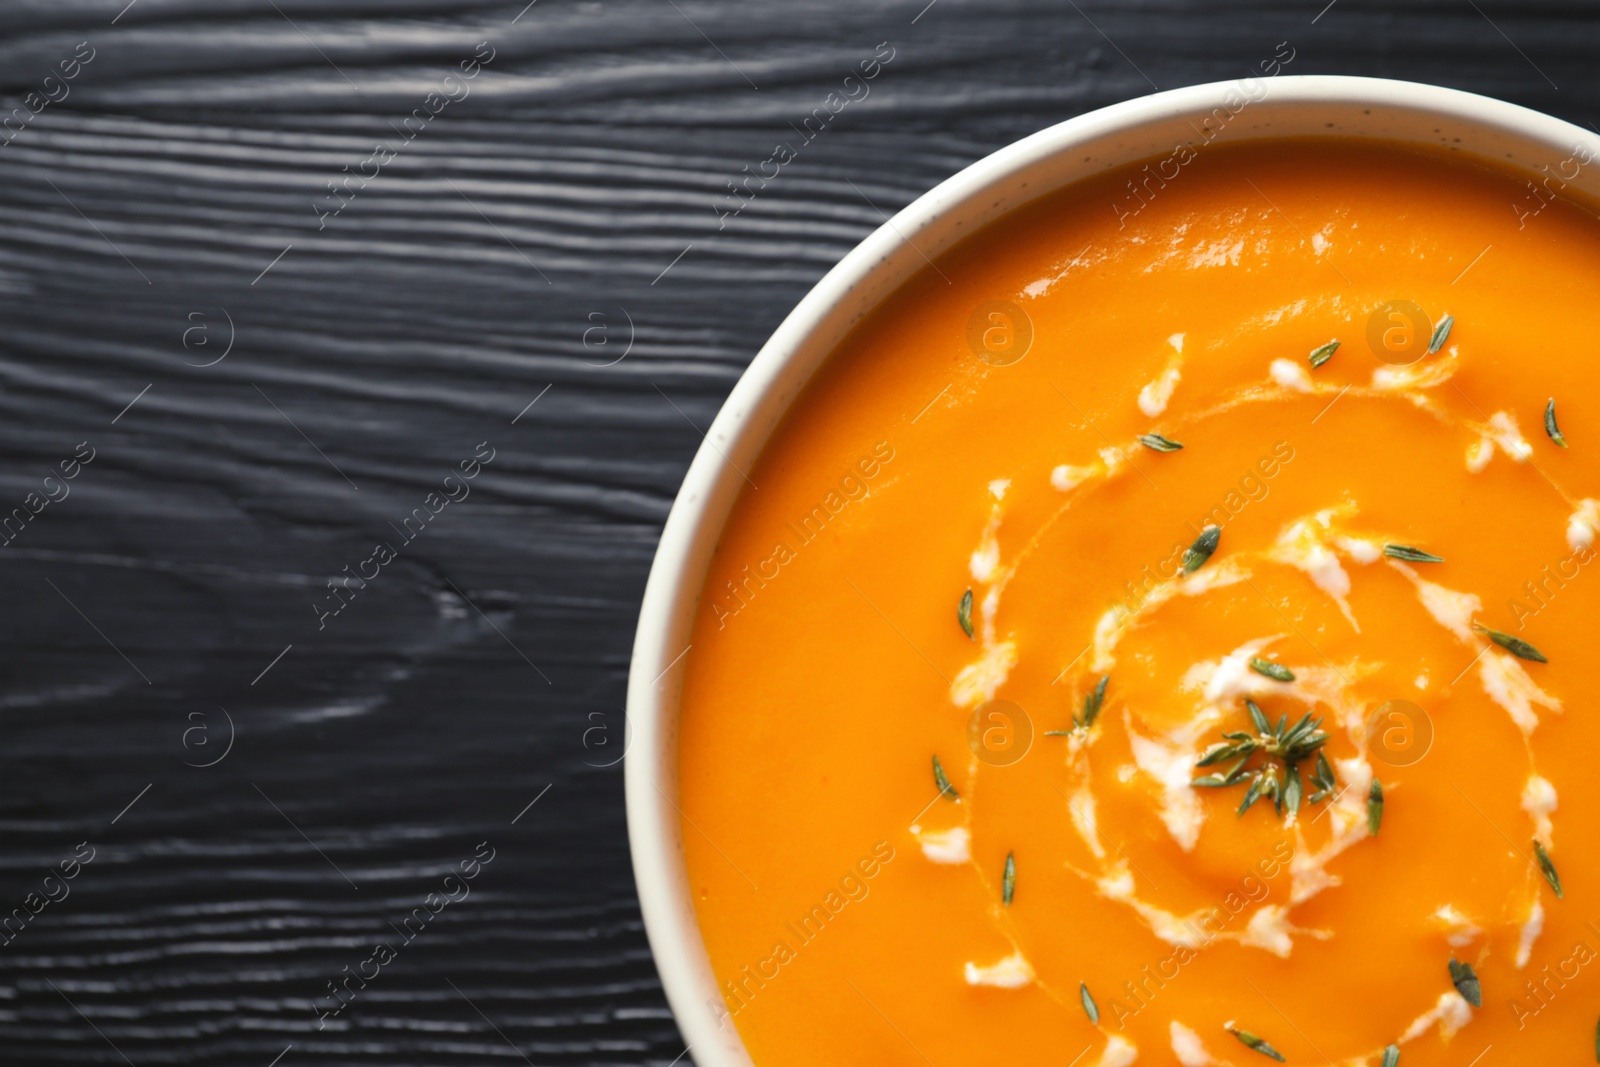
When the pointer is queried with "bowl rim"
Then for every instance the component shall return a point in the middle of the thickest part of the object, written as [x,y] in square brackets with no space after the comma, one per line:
[768,387]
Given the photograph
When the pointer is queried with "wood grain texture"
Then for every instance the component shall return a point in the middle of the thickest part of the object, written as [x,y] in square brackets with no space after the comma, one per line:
[175,188]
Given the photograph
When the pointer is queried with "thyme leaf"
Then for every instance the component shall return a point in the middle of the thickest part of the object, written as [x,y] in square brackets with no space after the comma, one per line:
[1219,752]
[1008,883]
[964,613]
[1157,443]
[1211,781]
[1441,334]
[1257,717]
[1391,1056]
[1411,555]
[1251,1041]
[1272,670]
[1466,982]
[1550,426]
[1547,868]
[942,780]
[1514,645]
[1201,550]
[1321,355]
[1375,807]
[1090,1008]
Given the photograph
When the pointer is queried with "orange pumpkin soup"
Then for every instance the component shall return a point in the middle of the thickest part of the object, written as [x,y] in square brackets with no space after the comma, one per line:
[1159,636]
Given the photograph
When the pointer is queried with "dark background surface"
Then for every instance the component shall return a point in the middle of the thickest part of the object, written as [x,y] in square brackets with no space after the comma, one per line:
[497,259]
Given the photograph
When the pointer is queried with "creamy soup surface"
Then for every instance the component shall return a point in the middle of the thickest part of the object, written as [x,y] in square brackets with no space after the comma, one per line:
[1104,666]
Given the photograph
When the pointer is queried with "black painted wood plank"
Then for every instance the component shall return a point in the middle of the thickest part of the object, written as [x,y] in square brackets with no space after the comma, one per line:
[169,204]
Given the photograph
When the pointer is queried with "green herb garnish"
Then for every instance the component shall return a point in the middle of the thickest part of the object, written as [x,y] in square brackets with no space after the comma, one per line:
[964,613]
[1201,550]
[1277,776]
[1008,882]
[1411,555]
[941,780]
[1375,807]
[1322,778]
[1092,704]
[1090,1008]
[1466,982]
[1264,784]
[1441,333]
[1514,645]
[1158,443]
[1550,426]
[1391,1056]
[1275,671]
[1251,1041]
[1319,356]
[1257,716]
[1291,789]
[1547,868]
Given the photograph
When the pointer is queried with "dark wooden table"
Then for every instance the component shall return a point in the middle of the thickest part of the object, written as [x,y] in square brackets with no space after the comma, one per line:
[276,276]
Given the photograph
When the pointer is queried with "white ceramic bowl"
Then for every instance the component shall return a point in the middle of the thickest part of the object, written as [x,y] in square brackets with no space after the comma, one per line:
[1144,129]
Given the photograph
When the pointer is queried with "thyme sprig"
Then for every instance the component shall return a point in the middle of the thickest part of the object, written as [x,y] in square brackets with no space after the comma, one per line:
[1277,776]
[1092,704]
[1091,710]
